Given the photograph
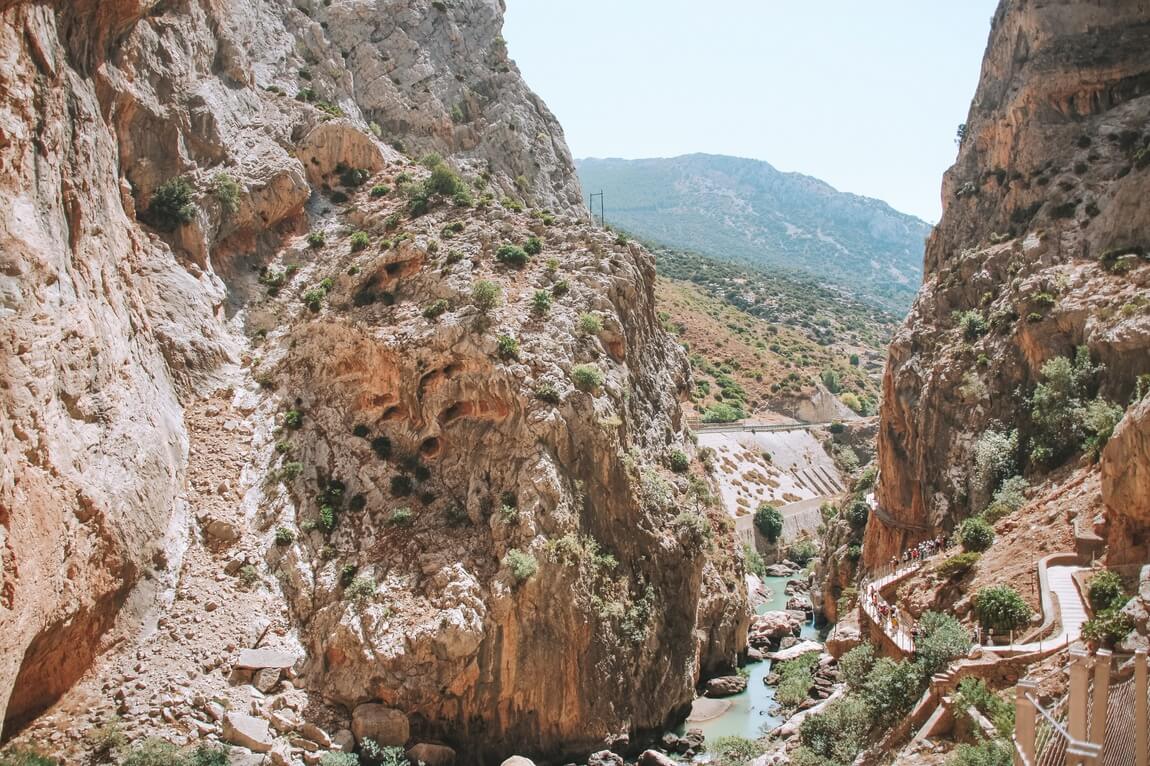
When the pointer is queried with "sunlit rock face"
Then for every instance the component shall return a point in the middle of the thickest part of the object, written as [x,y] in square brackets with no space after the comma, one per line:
[1048,194]
[114,320]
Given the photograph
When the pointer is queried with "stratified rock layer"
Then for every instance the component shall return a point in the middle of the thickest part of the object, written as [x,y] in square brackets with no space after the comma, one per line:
[1051,182]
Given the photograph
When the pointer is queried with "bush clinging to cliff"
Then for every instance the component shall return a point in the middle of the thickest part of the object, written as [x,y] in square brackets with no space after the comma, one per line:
[171,204]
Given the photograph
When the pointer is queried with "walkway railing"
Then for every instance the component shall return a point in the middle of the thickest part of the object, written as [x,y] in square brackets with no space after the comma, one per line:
[872,602]
[1094,724]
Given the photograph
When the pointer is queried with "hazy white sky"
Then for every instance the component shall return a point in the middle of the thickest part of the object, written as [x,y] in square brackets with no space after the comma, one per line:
[864,95]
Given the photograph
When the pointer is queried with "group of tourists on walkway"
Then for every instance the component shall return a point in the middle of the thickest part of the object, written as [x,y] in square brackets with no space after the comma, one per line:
[890,616]
[922,551]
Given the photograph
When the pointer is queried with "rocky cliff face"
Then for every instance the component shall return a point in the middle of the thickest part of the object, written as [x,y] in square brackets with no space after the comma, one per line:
[466,440]
[1041,250]
[120,313]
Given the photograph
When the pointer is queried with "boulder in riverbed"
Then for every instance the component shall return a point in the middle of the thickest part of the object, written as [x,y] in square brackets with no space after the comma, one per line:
[725,686]
[774,625]
[655,758]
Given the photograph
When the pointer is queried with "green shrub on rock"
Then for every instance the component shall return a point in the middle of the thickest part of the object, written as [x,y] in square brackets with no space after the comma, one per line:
[1108,627]
[227,192]
[976,534]
[972,324]
[512,255]
[590,324]
[587,377]
[22,757]
[541,302]
[546,392]
[508,347]
[435,309]
[1001,608]
[486,295]
[1106,591]
[360,589]
[171,204]
[522,565]
[990,753]
[958,565]
[360,240]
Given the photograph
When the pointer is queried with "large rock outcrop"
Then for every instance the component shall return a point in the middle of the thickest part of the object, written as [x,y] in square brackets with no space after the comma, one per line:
[1043,236]
[1126,486]
[511,524]
[117,313]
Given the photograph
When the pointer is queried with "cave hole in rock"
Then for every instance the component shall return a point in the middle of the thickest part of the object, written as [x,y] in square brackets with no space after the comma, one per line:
[456,411]
[431,447]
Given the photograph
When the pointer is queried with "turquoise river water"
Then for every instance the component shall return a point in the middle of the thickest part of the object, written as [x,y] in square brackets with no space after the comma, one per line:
[748,716]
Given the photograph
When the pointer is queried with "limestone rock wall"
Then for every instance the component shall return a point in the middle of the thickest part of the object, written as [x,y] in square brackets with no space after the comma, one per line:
[109,325]
[1051,180]
[99,322]
[449,461]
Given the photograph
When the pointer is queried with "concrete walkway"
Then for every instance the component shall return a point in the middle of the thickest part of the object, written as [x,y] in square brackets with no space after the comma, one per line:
[1071,608]
[1062,590]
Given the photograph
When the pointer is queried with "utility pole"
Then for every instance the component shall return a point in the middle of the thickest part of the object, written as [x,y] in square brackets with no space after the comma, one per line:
[602,214]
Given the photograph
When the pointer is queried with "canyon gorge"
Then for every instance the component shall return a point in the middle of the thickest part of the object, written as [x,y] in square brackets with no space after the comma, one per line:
[331,421]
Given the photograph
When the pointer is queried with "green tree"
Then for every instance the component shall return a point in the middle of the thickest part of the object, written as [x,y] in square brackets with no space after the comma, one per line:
[802,552]
[734,751]
[1001,608]
[1062,411]
[892,688]
[943,638]
[976,534]
[831,381]
[856,664]
[995,458]
[769,522]
[172,204]
[835,736]
[755,563]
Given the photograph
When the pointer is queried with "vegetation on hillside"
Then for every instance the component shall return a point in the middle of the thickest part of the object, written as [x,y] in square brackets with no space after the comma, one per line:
[761,340]
[745,211]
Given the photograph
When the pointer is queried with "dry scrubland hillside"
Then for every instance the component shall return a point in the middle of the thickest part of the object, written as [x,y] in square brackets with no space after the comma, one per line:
[267,379]
[743,364]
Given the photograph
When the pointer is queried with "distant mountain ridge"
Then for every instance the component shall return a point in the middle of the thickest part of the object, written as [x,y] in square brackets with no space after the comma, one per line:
[746,210]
